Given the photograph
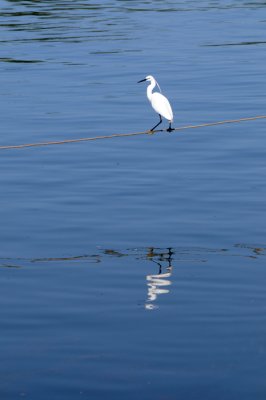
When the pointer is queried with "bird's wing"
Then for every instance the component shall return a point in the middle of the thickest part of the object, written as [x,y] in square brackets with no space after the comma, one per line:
[162,106]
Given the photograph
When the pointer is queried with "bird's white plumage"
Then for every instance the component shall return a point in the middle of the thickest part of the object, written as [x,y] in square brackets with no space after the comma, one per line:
[159,102]
[162,106]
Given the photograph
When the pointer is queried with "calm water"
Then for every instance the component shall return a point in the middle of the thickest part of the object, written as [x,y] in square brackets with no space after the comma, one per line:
[135,267]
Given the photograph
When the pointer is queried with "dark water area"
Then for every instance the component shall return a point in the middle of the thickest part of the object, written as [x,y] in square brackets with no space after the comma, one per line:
[132,267]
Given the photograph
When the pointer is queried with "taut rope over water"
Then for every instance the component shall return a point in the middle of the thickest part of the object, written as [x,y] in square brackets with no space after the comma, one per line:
[119,135]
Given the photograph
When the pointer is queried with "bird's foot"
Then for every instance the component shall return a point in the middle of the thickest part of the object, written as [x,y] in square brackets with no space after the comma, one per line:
[170,129]
[150,132]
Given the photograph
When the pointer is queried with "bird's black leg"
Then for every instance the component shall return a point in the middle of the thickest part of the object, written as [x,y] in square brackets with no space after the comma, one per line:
[170,129]
[152,129]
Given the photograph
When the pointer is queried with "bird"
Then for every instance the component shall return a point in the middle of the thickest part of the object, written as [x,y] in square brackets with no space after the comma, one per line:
[158,102]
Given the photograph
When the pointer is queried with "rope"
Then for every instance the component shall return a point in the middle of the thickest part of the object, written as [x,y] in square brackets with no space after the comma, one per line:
[181,128]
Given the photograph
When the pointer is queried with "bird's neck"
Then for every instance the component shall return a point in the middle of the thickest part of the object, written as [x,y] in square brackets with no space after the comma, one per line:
[150,89]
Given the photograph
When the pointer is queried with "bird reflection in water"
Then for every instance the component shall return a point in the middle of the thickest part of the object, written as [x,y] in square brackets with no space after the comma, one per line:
[158,283]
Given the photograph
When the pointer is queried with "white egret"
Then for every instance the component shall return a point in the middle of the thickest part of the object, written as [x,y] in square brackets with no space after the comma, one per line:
[159,102]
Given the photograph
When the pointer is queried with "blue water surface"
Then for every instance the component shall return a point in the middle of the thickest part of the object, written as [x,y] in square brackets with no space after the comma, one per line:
[132,267]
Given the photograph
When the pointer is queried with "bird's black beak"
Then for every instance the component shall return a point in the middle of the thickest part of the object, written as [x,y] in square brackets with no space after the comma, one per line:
[142,80]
